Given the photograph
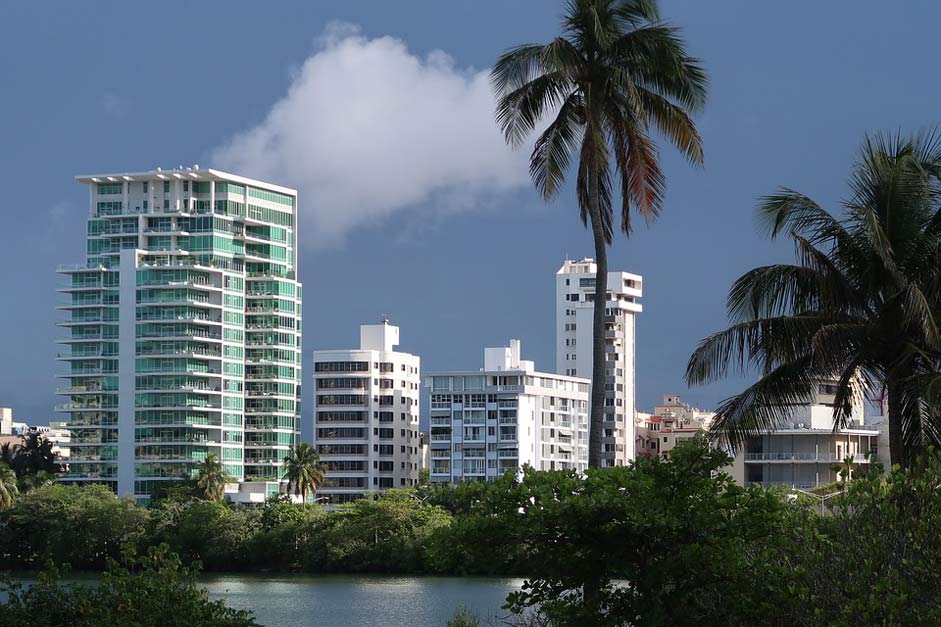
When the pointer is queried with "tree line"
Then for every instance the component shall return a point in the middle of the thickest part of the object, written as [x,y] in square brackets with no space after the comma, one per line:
[659,542]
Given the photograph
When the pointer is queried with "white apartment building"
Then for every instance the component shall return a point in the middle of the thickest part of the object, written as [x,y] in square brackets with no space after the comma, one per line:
[575,287]
[366,411]
[806,452]
[183,330]
[504,416]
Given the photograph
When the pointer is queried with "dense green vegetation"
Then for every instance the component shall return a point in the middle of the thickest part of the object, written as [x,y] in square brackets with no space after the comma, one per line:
[154,591]
[697,548]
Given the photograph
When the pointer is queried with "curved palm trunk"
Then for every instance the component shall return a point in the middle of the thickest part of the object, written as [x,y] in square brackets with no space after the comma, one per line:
[596,419]
[896,442]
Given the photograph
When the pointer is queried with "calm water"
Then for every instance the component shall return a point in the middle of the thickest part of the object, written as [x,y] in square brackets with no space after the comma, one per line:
[355,601]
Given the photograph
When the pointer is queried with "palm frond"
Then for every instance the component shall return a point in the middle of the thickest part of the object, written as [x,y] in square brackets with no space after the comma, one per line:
[555,147]
[753,344]
[765,405]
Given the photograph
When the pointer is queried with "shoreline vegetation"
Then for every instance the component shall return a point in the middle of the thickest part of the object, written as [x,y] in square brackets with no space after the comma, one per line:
[701,549]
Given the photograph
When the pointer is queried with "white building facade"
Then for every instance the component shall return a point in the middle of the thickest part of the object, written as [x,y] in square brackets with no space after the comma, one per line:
[366,413]
[806,452]
[504,416]
[184,330]
[575,286]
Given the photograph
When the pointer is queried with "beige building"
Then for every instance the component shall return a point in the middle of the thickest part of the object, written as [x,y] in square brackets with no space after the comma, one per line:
[806,452]
[671,423]
[6,421]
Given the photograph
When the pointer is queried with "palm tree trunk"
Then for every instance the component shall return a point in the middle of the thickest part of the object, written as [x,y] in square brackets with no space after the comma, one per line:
[596,419]
[896,443]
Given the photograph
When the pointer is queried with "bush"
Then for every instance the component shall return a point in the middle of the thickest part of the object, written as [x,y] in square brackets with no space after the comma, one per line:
[155,591]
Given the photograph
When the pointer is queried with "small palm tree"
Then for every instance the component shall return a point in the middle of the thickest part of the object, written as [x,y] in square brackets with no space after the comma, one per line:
[303,470]
[862,303]
[615,72]
[8,489]
[211,478]
[34,455]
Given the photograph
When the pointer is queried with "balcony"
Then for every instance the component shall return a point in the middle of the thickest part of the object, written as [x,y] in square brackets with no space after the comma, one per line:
[804,457]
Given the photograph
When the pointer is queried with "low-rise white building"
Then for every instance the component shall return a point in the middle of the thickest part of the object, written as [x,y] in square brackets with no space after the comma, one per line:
[505,416]
[366,410]
[806,451]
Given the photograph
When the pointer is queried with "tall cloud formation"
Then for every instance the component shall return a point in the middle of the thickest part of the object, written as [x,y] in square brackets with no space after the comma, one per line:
[368,129]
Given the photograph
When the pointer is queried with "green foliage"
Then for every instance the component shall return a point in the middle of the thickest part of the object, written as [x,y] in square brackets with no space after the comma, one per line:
[463,618]
[8,488]
[210,478]
[387,534]
[83,527]
[154,591]
[876,559]
[662,542]
[681,532]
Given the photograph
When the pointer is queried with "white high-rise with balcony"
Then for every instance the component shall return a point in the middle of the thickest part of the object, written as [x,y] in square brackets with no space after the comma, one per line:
[184,328]
[575,291]
[504,416]
[366,410]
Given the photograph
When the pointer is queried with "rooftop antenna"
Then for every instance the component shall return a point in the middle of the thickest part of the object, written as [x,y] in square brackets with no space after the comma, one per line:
[384,318]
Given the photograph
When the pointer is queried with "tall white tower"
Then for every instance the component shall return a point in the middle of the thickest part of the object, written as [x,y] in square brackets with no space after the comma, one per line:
[366,415]
[575,288]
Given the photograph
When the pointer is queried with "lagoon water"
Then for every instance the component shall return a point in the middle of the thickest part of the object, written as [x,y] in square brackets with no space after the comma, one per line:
[360,601]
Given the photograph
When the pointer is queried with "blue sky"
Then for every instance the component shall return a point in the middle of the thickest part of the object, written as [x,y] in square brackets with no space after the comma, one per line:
[419,213]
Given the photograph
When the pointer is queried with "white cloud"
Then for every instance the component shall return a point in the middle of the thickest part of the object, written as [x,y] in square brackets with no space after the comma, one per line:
[368,129]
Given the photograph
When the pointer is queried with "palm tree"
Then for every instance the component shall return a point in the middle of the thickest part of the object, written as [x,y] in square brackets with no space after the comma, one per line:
[614,72]
[34,455]
[859,307]
[211,478]
[303,470]
[8,489]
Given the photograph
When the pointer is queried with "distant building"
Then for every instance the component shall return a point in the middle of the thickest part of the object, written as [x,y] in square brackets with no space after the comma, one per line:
[806,452]
[366,411]
[575,293]
[6,421]
[670,424]
[504,416]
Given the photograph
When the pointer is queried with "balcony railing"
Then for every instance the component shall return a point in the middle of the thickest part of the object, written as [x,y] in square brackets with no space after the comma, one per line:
[803,457]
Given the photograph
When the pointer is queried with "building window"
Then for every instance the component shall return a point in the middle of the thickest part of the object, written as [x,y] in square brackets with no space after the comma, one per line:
[166,187]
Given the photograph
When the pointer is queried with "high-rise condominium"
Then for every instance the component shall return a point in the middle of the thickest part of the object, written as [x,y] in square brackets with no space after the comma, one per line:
[505,416]
[575,293]
[366,404]
[184,331]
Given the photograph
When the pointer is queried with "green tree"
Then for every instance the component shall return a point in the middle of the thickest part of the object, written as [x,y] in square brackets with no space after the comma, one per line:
[8,489]
[83,527]
[303,470]
[33,456]
[614,72]
[154,591]
[860,303]
[211,478]
[695,548]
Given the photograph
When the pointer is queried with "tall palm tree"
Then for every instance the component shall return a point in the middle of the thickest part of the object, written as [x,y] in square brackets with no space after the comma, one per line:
[8,489]
[303,470]
[861,303]
[211,478]
[614,72]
